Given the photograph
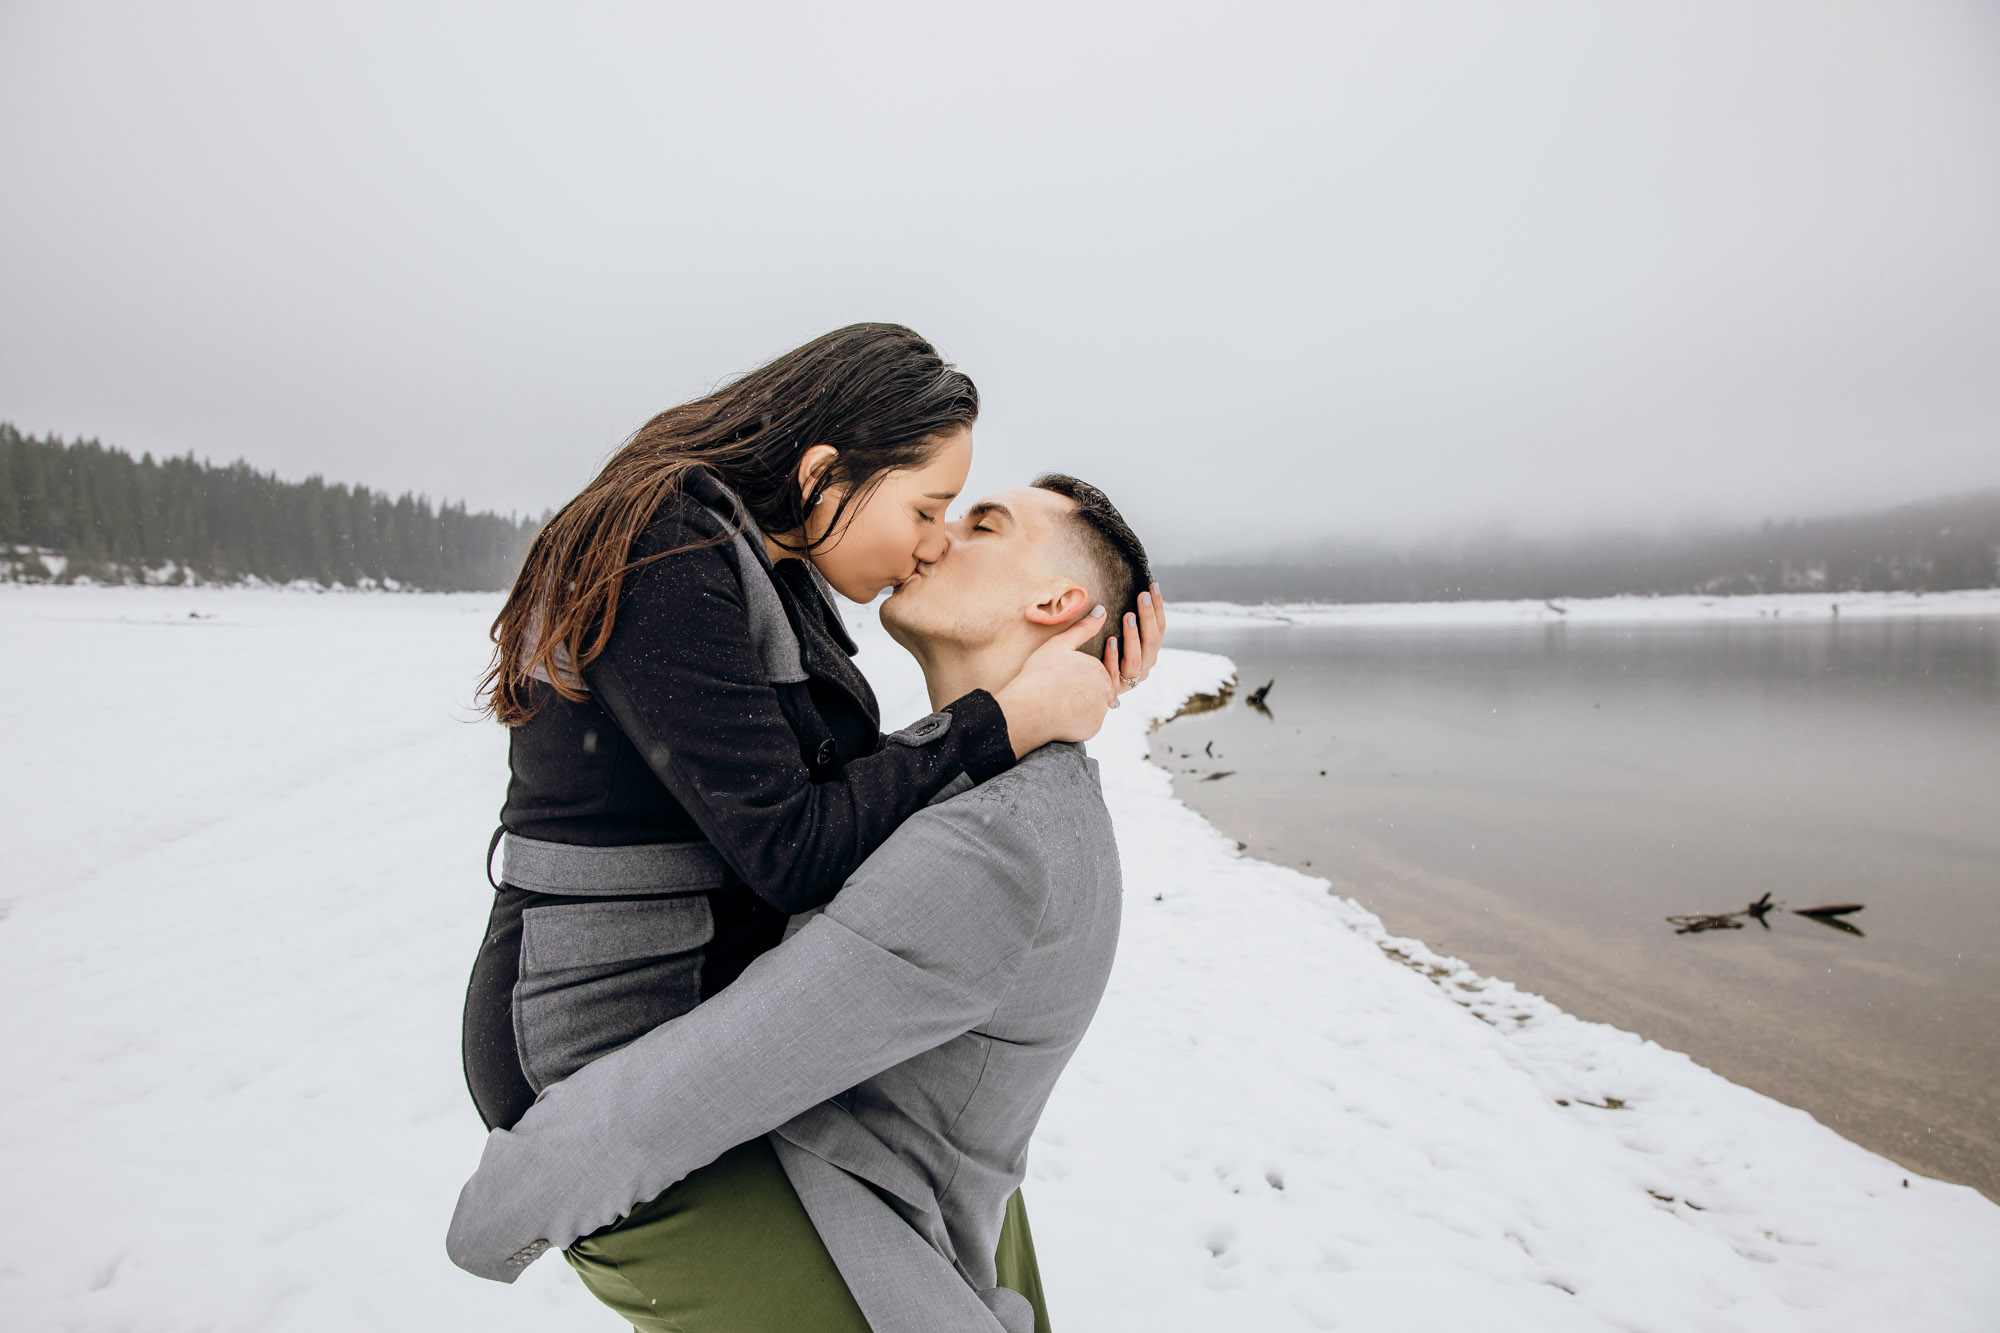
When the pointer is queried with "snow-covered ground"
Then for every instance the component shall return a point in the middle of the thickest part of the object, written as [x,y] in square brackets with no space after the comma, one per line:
[1610,610]
[244,888]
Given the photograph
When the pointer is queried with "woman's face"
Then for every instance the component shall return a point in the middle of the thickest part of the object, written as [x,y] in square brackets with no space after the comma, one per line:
[896,526]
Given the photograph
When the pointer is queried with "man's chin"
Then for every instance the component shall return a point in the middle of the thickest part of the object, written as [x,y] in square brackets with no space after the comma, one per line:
[896,605]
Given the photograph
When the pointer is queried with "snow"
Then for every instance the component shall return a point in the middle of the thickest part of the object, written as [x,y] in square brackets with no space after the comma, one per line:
[1606,610]
[245,890]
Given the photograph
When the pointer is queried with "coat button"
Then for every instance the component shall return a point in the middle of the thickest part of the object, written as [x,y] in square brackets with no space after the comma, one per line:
[828,752]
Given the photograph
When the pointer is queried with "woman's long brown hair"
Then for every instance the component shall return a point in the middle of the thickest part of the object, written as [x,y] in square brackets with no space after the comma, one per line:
[877,393]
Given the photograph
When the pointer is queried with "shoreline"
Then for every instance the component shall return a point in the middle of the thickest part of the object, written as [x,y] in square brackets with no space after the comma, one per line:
[1692,1147]
[1566,988]
[1544,851]
[1631,609]
[1679,608]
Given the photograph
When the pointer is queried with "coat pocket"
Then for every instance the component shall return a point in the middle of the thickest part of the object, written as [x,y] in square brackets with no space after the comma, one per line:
[595,976]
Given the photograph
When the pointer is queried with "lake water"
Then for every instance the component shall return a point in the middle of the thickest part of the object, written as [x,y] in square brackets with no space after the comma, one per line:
[1536,799]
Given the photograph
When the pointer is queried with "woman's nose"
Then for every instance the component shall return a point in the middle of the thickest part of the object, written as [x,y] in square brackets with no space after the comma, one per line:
[935,543]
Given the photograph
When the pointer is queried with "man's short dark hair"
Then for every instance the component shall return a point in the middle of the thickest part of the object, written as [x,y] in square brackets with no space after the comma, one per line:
[1116,556]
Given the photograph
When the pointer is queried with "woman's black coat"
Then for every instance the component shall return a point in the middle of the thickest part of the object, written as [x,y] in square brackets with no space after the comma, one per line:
[683,738]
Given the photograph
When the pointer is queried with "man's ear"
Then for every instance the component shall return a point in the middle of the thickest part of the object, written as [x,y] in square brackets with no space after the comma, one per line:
[815,461]
[1059,605]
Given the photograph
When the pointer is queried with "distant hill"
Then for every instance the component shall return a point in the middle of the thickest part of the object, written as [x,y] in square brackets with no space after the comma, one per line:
[1931,546]
[81,510]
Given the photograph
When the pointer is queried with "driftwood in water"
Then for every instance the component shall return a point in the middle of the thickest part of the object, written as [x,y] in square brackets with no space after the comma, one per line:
[1688,925]
[1205,703]
[1256,697]
[1834,915]
[1695,923]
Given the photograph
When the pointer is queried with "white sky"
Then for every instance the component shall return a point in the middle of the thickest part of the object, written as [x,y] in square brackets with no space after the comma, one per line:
[1265,272]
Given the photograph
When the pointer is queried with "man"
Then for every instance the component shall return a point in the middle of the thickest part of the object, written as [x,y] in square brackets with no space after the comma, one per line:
[897,1050]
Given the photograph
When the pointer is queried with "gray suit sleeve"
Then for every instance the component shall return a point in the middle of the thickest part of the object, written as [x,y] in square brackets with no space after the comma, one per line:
[918,948]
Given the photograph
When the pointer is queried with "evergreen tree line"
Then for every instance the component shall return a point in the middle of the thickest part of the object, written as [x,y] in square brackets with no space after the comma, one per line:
[1933,546]
[116,518]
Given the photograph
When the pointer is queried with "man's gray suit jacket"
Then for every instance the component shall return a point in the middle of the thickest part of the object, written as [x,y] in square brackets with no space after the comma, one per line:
[899,1049]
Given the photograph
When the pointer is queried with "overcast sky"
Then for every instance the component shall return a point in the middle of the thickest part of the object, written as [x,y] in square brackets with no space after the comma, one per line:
[1265,272]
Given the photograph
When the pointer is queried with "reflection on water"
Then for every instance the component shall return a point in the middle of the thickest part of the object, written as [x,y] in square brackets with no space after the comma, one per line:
[1538,800]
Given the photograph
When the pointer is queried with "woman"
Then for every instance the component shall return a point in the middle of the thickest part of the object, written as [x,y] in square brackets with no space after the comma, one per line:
[694,757]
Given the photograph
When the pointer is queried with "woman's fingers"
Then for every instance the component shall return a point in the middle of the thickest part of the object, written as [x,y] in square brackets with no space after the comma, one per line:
[1079,631]
[1116,678]
[1078,634]
[1144,632]
[1058,696]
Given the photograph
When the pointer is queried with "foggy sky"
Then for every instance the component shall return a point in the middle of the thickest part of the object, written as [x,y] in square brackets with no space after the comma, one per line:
[1264,272]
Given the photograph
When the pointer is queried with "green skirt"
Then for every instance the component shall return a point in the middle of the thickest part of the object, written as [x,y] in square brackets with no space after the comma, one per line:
[731,1250]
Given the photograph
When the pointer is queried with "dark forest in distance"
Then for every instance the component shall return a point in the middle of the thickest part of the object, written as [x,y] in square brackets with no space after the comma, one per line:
[1931,546]
[115,518]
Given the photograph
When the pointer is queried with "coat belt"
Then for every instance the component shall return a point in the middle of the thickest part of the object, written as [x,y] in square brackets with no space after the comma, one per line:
[595,872]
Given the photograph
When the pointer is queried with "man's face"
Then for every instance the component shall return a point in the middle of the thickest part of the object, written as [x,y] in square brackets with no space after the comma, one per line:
[1009,555]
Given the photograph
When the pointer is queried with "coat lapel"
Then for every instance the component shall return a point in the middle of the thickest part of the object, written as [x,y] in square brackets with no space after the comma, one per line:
[824,643]
[826,649]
